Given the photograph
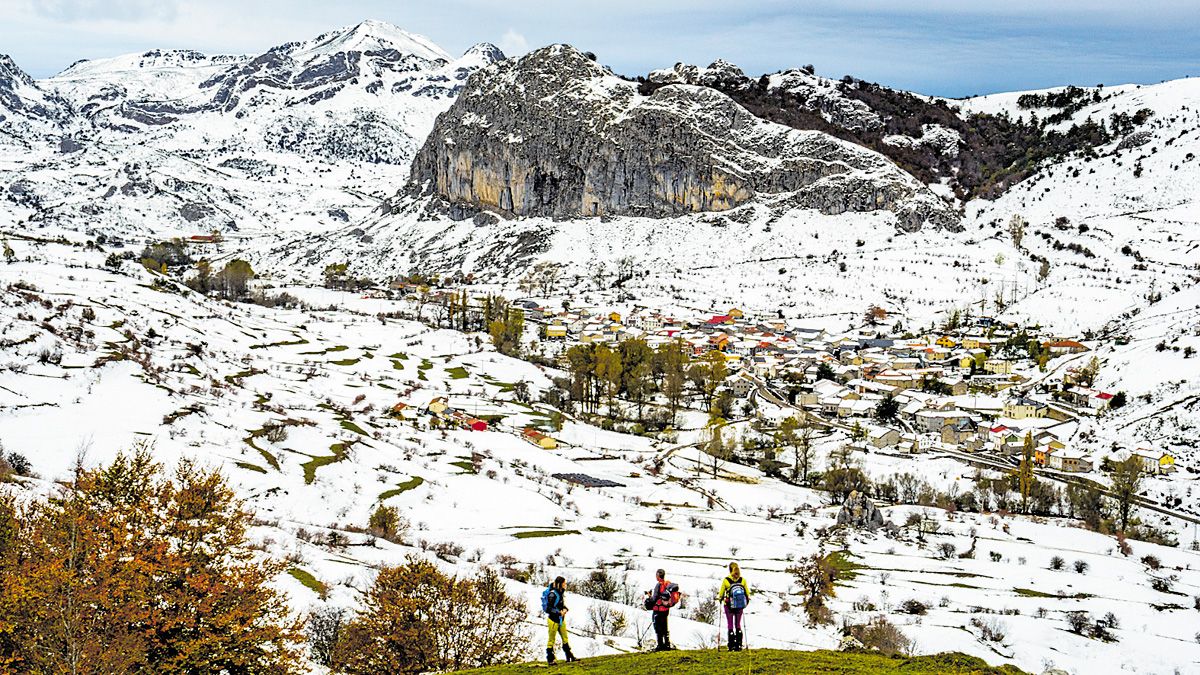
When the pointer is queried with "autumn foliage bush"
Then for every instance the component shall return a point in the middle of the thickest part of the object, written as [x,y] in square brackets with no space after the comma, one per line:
[128,569]
[416,619]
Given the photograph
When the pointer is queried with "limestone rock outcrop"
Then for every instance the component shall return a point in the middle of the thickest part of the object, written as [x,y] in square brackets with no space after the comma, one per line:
[556,134]
[860,512]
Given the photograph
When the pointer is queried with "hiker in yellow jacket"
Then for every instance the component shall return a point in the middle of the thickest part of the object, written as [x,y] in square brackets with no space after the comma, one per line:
[734,596]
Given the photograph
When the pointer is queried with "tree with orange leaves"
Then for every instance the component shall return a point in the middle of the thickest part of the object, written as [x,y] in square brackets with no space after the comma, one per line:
[127,569]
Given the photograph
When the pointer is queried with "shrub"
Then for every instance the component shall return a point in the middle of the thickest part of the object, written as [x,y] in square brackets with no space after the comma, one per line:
[946,550]
[323,629]
[1078,621]
[1081,566]
[990,630]
[880,635]
[386,523]
[913,606]
[1056,563]
[1152,562]
[276,433]
[416,618]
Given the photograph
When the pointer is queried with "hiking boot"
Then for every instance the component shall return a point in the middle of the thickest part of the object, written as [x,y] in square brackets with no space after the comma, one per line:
[550,655]
[567,651]
[731,645]
[738,639]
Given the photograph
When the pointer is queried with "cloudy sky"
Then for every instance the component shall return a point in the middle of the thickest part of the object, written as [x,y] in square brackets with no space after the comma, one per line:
[945,47]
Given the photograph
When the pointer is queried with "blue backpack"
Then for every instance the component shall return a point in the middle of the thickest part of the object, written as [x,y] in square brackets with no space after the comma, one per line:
[738,599]
[548,600]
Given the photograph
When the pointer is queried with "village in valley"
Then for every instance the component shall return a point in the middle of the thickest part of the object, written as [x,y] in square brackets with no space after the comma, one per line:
[974,386]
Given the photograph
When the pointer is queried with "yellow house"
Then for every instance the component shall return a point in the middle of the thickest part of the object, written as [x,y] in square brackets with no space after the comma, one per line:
[538,438]
[614,317]
[975,342]
[966,361]
[1155,462]
[947,342]
[998,366]
[1024,408]
[439,405]
[556,331]
[735,313]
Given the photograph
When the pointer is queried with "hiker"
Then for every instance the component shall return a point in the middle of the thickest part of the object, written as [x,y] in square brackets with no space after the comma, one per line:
[554,604]
[734,596]
[660,600]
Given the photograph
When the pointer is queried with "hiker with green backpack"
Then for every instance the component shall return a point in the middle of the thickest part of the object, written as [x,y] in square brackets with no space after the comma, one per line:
[734,596]
[554,604]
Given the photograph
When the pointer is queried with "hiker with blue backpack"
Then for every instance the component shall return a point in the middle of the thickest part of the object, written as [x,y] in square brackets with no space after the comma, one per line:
[554,604]
[734,596]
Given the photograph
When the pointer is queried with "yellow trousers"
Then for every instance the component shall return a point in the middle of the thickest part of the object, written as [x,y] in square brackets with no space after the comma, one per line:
[559,628]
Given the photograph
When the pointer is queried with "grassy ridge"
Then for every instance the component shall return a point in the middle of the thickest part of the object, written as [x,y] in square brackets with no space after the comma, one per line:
[764,661]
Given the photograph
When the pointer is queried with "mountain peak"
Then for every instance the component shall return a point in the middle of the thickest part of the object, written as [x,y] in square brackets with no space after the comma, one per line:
[374,35]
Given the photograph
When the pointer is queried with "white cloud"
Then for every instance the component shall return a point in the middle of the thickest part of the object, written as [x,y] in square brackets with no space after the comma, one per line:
[513,43]
[112,10]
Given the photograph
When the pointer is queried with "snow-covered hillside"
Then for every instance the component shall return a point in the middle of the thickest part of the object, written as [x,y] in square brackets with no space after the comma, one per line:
[96,360]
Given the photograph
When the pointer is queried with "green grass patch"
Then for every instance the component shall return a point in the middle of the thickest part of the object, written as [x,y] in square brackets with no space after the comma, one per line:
[309,581]
[843,565]
[345,362]
[426,364]
[340,450]
[467,466]
[329,350]
[236,378]
[774,661]
[351,426]
[1031,593]
[539,534]
[410,484]
[399,355]
[457,373]
[285,343]
[396,365]
[251,467]
[602,528]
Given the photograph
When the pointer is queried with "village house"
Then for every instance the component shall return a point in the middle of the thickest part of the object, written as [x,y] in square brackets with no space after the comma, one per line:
[998,366]
[741,387]
[538,438]
[963,433]
[882,437]
[1155,462]
[1070,461]
[1060,347]
[1024,408]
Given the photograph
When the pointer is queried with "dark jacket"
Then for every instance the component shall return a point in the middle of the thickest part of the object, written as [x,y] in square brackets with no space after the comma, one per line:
[557,604]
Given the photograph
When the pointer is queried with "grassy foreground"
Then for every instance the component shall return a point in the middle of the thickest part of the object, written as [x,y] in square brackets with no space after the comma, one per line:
[772,661]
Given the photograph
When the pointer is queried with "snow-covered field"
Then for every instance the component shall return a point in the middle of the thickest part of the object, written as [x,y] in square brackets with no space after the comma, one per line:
[336,373]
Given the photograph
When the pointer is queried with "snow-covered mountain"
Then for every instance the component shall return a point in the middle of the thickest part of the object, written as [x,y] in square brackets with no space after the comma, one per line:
[308,135]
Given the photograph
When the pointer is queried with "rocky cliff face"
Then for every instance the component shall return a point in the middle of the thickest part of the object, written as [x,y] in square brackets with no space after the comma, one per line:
[556,134]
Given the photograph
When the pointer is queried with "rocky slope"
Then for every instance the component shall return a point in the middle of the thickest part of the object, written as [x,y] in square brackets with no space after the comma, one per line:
[556,134]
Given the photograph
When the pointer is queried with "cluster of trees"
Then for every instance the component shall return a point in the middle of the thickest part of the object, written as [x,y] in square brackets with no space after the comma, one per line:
[230,283]
[166,255]
[337,276]
[635,372]
[130,569]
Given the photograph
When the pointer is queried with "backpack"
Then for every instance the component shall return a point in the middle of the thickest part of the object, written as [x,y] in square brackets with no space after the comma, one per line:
[659,597]
[548,600]
[737,598]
